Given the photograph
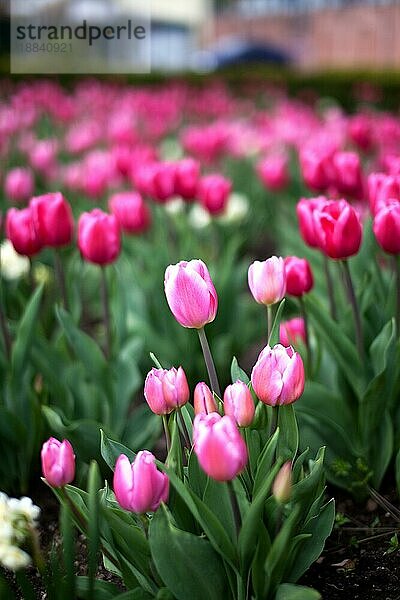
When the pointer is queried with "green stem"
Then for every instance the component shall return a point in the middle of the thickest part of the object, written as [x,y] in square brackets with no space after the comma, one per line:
[235,507]
[355,308]
[167,434]
[329,285]
[212,374]
[5,332]
[60,274]
[184,428]
[36,552]
[306,329]
[274,420]
[106,312]
[269,323]
[396,266]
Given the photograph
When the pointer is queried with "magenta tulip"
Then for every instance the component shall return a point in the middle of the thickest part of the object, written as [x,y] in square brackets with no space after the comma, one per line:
[387,228]
[239,404]
[53,220]
[187,174]
[273,172]
[166,390]
[213,193]
[305,215]
[267,280]
[139,487]
[278,375]
[21,231]
[292,332]
[338,229]
[131,211]
[190,293]
[99,237]
[219,447]
[58,462]
[299,278]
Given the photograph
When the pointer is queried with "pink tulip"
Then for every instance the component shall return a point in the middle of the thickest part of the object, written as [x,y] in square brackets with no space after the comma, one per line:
[348,175]
[99,237]
[21,232]
[338,229]
[316,168]
[267,280]
[19,184]
[187,174]
[162,181]
[166,390]
[387,228]
[139,487]
[53,219]
[305,215]
[292,332]
[213,193]
[282,486]
[203,400]
[278,375]
[131,211]
[190,293]
[299,278]
[382,189]
[219,446]
[58,462]
[238,403]
[273,172]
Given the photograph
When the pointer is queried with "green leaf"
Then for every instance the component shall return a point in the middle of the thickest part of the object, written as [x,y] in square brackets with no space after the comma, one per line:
[248,536]
[265,462]
[276,559]
[182,560]
[380,346]
[110,450]
[384,437]
[288,591]
[93,526]
[398,471]
[339,345]
[104,590]
[288,441]
[24,335]
[238,373]
[143,429]
[320,527]
[274,336]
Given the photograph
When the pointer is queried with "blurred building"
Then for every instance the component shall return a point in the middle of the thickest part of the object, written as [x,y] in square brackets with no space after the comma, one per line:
[317,34]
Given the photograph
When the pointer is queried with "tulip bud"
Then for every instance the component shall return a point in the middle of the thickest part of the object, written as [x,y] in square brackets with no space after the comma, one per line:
[162,181]
[99,237]
[53,219]
[58,462]
[338,229]
[282,486]
[190,293]
[219,446]
[130,211]
[387,228]
[21,232]
[382,189]
[305,215]
[315,168]
[238,403]
[19,184]
[166,390]
[187,176]
[213,193]
[267,280]
[139,487]
[361,131]
[348,175]
[203,401]
[273,172]
[292,332]
[299,278]
[278,375]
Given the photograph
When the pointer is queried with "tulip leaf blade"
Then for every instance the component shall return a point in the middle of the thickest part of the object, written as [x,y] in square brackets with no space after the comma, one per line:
[237,372]
[288,441]
[24,335]
[290,591]
[111,450]
[182,559]
[274,335]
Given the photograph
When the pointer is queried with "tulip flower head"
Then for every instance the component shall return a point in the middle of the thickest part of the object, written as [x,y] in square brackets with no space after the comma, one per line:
[131,212]
[238,403]
[299,278]
[292,332]
[305,215]
[58,462]
[190,293]
[219,447]
[139,487]
[278,375]
[203,399]
[267,280]
[214,191]
[387,228]
[99,238]
[282,486]
[19,184]
[53,219]
[21,231]
[166,390]
[338,229]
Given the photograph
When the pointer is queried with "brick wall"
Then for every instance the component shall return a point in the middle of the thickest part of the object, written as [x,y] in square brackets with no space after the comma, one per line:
[355,36]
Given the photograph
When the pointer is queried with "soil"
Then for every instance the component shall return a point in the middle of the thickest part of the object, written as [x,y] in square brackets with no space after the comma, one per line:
[356,564]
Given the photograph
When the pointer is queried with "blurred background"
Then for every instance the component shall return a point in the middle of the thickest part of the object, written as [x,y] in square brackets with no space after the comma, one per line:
[207,35]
